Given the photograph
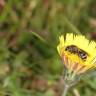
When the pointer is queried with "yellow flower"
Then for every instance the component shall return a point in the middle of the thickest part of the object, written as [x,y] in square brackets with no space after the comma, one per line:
[78,53]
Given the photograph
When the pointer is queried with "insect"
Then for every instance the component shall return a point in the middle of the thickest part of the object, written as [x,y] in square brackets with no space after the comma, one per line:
[75,50]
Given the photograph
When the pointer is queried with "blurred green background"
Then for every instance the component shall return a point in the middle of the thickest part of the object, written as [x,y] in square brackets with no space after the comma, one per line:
[29,29]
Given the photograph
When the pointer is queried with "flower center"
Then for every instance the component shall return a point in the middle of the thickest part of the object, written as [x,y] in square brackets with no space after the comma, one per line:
[75,50]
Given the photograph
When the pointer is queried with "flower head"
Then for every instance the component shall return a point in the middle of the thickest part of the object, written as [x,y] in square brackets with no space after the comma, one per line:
[78,53]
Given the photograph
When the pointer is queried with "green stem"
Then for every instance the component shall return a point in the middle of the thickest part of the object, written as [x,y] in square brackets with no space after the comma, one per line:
[73,28]
[66,87]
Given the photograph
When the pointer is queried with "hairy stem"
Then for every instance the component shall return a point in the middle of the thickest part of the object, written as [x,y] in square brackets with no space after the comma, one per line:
[66,87]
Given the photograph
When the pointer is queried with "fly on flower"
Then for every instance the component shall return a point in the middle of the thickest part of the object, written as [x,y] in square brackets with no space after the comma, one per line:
[75,50]
[78,53]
